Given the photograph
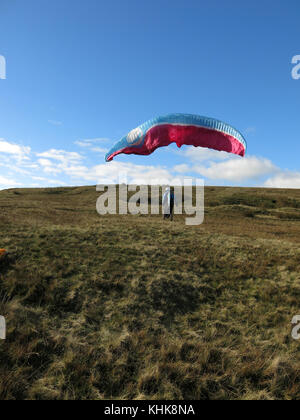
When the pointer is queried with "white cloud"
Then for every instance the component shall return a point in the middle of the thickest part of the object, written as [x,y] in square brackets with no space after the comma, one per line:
[114,171]
[137,174]
[284,180]
[49,167]
[20,167]
[14,149]
[39,178]
[45,162]
[238,170]
[60,162]
[183,168]
[7,182]
[202,154]
[60,155]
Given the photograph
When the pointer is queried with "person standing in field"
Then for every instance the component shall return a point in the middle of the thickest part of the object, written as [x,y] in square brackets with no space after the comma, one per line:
[168,203]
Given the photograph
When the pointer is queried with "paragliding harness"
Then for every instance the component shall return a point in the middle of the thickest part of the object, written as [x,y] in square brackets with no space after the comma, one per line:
[168,204]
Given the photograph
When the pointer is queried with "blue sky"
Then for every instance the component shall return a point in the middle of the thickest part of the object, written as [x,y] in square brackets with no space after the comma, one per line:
[81,74]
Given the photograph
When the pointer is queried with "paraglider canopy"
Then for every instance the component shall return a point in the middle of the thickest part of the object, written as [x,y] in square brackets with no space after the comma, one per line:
[181,129]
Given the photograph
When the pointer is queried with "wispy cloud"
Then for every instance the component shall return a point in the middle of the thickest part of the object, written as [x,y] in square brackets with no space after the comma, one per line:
[250,130]
[55,122]
[97,140]
[60,155]
[56,161]
[91,144]
[83,143]
[100,150]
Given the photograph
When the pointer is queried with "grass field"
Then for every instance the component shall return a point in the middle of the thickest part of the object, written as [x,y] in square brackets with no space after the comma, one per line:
[131,307]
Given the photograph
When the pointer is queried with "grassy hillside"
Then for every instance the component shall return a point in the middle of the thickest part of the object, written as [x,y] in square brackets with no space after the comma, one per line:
[133,307]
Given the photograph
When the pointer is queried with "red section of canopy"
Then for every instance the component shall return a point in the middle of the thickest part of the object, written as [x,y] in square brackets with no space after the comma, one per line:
[163,135]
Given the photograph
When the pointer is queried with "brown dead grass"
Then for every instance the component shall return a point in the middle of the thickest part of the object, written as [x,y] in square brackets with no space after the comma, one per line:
[131,307]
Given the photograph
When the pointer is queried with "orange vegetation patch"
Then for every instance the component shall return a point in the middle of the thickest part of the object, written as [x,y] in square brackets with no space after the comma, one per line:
[2,252]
